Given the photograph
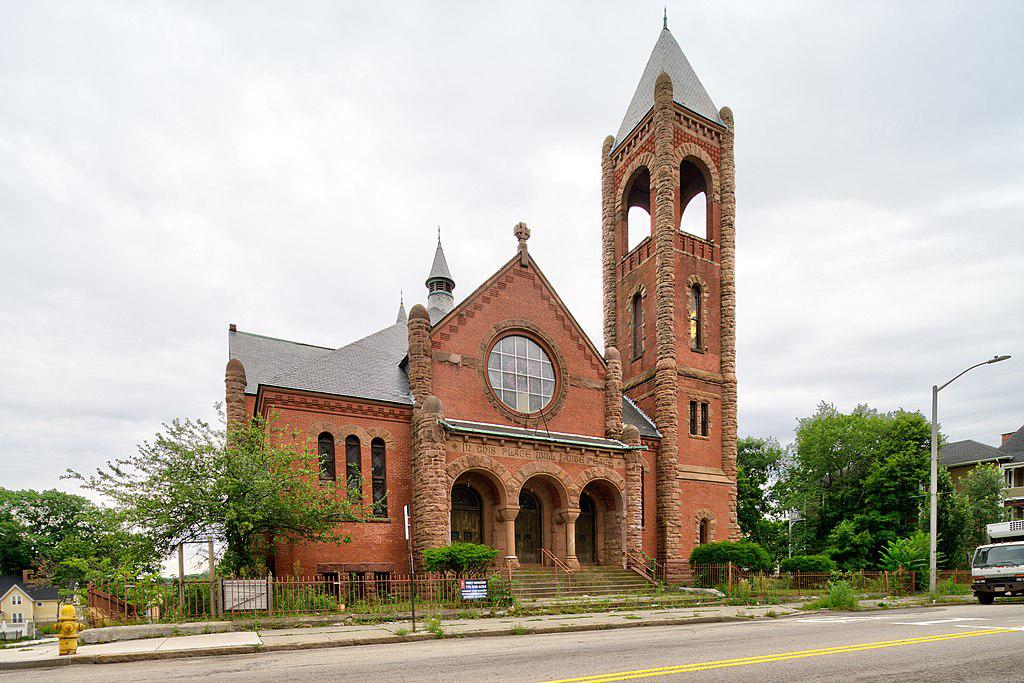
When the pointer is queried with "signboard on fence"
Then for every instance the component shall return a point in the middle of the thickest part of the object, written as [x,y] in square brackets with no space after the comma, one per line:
[245,594]
[473,589]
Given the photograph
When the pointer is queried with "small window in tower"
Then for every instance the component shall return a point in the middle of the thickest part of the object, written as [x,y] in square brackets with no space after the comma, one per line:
[353,467]
[703,419]
[325,453]
[638,325]
[693,418]
[704,533]
[378,457]
[696,315]
[699,418]
[695,209]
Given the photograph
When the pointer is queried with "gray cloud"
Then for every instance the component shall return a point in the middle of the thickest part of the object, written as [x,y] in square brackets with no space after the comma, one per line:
[168,168]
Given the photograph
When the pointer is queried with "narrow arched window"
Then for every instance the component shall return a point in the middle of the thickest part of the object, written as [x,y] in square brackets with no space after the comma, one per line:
[638,325]
[325,455]
[353,467]
[378,458]
[696,315]
[704,533]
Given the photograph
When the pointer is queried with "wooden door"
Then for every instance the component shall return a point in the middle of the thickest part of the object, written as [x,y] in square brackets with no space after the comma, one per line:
[586,531]
[528,529]
[467,515]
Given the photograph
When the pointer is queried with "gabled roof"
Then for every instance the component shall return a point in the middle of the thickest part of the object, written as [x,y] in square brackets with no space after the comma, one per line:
[1014,445]
[367,368]
[34,592]
[687,89]
[967,452]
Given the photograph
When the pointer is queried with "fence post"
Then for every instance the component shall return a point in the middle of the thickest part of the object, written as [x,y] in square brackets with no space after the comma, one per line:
[728,585]
[798,583]
[886,581]
[270,594]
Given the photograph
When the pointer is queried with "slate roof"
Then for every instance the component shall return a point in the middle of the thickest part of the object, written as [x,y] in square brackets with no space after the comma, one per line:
[439,269]
[34,592]
[266,357]
[966,452]
[687,89]
[632,415]
[368,368]
[540,434]
[1014,446]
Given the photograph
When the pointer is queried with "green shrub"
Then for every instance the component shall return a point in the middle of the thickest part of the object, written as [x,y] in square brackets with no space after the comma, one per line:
[743,554]
[305,599]
[840,597]
[909,554]
[951,587]
[813,564]
[459,558]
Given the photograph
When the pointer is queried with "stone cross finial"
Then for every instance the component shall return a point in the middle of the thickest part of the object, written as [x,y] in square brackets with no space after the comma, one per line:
[522,234]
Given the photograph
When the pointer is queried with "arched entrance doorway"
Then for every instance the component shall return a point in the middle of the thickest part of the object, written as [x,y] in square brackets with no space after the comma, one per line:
[529,539]
[467,515]
[586,531]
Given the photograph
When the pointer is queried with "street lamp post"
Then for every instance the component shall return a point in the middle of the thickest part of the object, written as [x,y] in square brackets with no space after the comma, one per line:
[933,526]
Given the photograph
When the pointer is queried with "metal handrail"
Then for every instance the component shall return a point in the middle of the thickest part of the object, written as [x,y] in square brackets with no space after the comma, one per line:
[558,564]
[643,566]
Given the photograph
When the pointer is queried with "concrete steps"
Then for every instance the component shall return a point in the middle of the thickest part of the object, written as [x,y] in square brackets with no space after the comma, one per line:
[534,583]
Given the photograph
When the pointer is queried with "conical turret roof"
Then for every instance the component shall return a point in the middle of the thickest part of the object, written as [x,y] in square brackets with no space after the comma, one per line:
[439,269]
[687,90]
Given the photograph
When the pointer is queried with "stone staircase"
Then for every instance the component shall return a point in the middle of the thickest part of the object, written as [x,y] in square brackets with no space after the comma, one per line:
[540,583]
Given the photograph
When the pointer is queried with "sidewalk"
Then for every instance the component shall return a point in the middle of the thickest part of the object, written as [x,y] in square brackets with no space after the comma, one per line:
[44,654]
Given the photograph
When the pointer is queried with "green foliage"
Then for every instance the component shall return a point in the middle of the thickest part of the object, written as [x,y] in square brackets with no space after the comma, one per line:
[908,554]
[840,597]
[459,558]
[243,485]
[65,537]
[812,564]
[758,465]
[979,496]
[743,554]
[855,480]
[305,599]
[500,592]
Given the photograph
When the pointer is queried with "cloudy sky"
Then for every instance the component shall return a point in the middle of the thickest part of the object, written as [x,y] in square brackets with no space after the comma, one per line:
[169,168]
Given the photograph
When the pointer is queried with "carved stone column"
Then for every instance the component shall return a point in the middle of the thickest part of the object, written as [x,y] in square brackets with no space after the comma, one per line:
[508,515]
[420,369]
[234,392]
[609,257]
[634,491]
[613,394]
[569,517]
[429,483]
[728,317]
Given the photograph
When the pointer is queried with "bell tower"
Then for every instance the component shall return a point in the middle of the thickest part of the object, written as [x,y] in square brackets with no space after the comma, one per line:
[669,293]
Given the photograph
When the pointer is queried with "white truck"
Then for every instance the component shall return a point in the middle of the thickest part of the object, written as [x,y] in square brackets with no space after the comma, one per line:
[998,566]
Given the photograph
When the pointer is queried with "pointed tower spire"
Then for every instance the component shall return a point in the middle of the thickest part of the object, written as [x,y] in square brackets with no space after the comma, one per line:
[402,317]
[687,89]
[440,282]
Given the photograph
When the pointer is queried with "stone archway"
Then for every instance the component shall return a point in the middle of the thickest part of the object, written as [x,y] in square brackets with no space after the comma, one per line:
[603,491]
[546,494]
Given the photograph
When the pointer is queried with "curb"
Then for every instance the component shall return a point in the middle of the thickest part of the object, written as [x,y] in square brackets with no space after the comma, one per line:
[382,640]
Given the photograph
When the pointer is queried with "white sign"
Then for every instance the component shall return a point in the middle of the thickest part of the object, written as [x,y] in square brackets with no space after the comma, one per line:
[406,510]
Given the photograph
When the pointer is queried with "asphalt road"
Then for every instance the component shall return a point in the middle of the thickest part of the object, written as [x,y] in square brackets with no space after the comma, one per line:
[970,642]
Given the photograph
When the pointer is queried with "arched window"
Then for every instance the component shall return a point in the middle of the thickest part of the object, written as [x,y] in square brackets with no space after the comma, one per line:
[467,519]
[378,457]
[353,467]
[325,455]
[696,314]
[638,324]
[695,209]
[704,532]
[638,209]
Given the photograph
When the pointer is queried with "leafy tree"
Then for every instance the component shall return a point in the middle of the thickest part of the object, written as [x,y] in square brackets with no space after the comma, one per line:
[64,536]
[758,464]
[857,480]
[982,490]
[908,554]
[459,558]
[244,486]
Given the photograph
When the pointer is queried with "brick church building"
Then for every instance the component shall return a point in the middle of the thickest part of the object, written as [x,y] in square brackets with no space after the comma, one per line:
[499,421]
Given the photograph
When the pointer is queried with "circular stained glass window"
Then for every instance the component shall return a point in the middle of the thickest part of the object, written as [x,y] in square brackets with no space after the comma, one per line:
[521,374]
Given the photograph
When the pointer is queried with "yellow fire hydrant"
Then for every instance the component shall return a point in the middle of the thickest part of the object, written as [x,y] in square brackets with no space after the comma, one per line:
[68,638]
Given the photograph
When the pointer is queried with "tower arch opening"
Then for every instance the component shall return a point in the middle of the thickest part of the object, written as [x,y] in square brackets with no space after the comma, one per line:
[637,200]
[694,202]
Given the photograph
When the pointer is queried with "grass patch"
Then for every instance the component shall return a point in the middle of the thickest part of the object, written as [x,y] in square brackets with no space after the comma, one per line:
[433,624]
[840,597]
[402,632]
[518,630]
[631,616]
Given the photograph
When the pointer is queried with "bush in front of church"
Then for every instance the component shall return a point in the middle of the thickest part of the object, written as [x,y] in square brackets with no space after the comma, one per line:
[743,555]
[459,558]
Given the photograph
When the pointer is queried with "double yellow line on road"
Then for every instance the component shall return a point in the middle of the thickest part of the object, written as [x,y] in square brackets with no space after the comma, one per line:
[780,657]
